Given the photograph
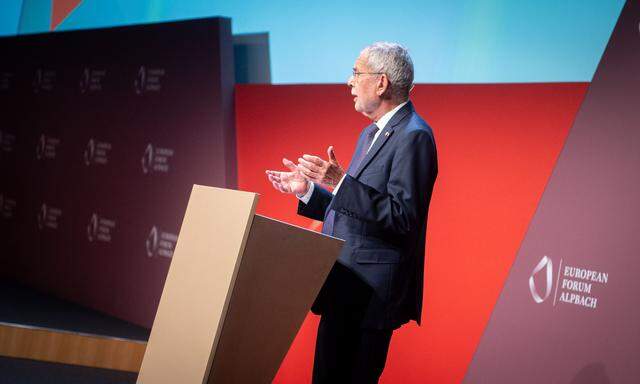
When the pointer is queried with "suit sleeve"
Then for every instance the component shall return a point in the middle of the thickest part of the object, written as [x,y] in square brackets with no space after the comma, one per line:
[402,207]
[317,205]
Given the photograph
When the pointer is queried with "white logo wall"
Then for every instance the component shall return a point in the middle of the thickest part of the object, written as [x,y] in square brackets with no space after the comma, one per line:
[100,228]
[575,285]
[156,159]
[148,80]
[160,243]
[43,80]
[7,207]
[96,152]
[91,80]
[46,148]
[48,217]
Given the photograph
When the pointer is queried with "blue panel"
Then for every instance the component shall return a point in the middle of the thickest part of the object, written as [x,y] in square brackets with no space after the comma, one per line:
[464,41]
[36,16]
[10,16]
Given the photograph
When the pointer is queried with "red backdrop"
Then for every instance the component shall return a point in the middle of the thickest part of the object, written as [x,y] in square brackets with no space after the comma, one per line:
[497,145]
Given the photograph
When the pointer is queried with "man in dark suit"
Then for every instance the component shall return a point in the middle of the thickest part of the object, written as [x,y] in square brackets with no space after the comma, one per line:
[379,207]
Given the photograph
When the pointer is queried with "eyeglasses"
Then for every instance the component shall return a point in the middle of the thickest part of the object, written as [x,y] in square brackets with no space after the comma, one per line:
[355,73]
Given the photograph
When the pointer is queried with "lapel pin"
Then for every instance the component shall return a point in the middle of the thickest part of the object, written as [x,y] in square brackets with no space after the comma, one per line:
[386,134]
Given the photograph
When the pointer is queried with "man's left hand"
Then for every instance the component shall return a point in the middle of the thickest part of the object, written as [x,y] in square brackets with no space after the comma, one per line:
[317,170]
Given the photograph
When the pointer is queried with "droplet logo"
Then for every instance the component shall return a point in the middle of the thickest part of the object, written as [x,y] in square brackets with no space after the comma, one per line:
[160,243]
[42,216]
[37,81]
[89,152]
[85,79]
[40,147]
[545,265]
[141,80]
[152,241]
[92,228]
[147,159]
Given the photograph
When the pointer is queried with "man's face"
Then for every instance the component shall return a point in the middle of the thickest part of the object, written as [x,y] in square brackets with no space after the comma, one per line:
[364,87]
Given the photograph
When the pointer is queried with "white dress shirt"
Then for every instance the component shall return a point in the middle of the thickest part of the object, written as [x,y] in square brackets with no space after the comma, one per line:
[381,123]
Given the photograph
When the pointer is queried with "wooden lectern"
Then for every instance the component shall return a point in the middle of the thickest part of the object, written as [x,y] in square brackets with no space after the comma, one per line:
[238,289]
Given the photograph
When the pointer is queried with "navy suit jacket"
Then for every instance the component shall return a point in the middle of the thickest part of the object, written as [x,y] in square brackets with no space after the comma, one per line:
[381,212]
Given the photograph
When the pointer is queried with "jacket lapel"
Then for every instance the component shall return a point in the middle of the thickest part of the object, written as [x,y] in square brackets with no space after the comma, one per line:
[384,136]
[351,171]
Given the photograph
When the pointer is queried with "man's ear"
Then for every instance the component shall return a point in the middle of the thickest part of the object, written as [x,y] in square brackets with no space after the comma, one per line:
[383,86]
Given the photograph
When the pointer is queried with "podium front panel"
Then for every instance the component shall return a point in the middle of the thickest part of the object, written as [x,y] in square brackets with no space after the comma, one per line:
[281,273]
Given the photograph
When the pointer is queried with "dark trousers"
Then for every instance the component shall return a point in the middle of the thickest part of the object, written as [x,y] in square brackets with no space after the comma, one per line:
[347,353]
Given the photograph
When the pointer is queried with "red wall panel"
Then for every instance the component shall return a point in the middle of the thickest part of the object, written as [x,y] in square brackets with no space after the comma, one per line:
[60,9]
[497,145]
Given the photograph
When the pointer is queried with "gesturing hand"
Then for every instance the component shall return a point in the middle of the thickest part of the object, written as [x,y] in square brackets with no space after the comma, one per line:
[288,182]
[320,171]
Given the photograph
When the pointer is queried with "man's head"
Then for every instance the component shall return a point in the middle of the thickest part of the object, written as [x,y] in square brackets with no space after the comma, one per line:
[382,78]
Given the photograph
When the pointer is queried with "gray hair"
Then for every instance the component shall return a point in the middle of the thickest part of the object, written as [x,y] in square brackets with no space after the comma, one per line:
[393,60]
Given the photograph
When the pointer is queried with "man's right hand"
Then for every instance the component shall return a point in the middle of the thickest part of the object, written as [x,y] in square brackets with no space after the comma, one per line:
[288,182]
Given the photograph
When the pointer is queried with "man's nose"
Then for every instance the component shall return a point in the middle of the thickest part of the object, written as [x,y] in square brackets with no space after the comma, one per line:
[350,81]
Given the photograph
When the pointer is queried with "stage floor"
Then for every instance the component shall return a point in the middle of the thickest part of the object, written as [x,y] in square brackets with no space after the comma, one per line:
[24,306]
[23,371]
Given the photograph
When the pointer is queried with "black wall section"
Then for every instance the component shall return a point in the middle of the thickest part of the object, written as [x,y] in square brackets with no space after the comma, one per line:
[103,134]
[253,65]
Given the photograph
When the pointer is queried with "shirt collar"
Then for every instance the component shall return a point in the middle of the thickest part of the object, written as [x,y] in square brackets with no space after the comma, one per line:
[382,122]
